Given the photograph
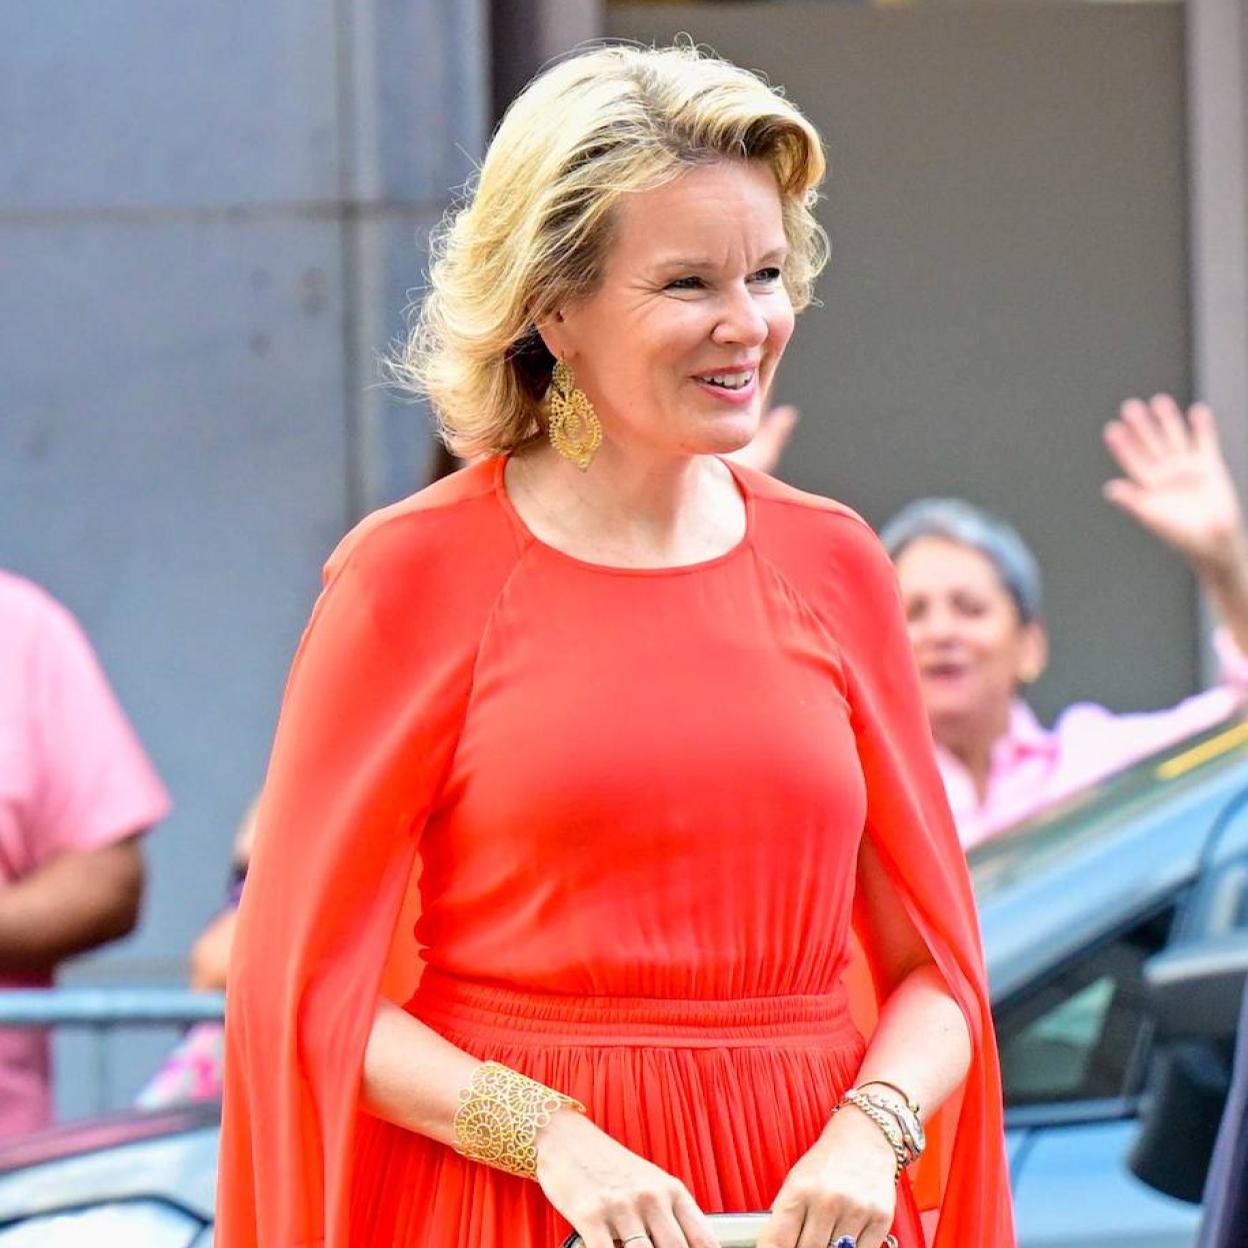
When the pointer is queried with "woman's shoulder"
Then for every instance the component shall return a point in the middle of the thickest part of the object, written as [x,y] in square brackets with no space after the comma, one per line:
[809,531]
[438,524]
[450,542]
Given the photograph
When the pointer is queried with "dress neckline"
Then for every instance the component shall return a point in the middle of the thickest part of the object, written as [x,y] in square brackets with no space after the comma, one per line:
[611,569]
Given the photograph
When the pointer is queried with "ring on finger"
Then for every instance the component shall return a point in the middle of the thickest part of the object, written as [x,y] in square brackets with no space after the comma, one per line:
[845,1241]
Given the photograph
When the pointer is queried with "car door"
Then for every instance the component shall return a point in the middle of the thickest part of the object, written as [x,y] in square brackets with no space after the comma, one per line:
[1074,1052]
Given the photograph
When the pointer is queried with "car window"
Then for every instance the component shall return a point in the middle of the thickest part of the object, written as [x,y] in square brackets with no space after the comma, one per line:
[1221,905]
[152,1223]
[1082,1034]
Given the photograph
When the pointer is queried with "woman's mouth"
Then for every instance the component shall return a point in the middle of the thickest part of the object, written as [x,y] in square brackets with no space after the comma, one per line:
[943,672]
[734,385]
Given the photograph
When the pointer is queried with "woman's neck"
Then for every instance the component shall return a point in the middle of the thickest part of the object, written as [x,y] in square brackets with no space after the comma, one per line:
[625,510]
[972,743]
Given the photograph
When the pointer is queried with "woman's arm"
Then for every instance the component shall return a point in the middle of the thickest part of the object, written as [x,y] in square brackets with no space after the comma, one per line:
[921,1041]
[413,1076]
[846,1184]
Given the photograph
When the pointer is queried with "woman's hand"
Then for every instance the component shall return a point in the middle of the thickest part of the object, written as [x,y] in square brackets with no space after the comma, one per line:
[845,1185]
[610,1195]
[1176,482]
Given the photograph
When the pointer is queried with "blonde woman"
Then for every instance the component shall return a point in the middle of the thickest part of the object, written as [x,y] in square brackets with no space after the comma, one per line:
[645,726]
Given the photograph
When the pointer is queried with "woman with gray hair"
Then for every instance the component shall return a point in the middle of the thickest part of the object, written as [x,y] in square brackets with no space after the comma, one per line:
[972,595]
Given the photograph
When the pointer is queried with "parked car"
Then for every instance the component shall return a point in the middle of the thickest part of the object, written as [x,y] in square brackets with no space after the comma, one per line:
[1115,1023]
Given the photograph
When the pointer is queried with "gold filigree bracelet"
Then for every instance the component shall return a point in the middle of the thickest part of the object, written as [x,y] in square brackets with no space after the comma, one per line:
[500,1113]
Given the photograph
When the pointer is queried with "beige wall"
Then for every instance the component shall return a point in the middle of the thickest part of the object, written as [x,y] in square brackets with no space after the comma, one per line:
[1007,214]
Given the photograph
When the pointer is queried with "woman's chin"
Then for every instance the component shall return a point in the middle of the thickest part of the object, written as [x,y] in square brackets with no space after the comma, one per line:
[726,435]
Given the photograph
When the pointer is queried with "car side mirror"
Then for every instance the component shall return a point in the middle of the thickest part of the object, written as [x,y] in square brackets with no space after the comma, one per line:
[1193,994]
[1195,991]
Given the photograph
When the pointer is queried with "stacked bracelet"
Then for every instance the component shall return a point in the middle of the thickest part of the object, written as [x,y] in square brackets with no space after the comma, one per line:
[890,1130]
[898,1122]
[500,1114]
[907,1118]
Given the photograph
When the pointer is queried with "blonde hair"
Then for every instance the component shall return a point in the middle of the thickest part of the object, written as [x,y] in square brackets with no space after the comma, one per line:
[533,233]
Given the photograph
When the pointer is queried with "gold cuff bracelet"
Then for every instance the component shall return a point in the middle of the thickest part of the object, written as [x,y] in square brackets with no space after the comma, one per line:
[499,1116]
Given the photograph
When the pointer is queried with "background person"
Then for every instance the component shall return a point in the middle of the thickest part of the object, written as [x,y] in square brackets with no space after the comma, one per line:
[972,595]
[543,683]
[76,792]
[193,1070]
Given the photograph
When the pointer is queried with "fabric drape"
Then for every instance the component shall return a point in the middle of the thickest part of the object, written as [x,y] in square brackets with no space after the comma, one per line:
[635,799]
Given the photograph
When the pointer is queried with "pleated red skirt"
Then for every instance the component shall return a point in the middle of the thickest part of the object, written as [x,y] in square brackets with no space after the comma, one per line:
[725,1095]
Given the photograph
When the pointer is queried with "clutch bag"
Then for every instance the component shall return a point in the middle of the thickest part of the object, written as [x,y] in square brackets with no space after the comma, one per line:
[732,1230]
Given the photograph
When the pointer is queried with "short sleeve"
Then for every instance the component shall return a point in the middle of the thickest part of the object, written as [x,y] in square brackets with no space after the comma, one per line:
[368,726]
[93,783]
[910,825]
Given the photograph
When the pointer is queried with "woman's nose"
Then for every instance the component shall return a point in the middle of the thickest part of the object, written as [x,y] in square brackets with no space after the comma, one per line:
[741,322]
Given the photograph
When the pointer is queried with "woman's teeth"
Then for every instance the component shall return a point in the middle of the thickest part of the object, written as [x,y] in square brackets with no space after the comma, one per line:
[731,381]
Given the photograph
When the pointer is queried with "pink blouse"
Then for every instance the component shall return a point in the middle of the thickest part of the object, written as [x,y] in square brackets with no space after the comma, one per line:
[73,777]
[1032,767]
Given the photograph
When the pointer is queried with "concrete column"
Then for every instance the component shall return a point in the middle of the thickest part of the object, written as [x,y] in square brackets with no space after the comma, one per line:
[526,34]
[1217,106]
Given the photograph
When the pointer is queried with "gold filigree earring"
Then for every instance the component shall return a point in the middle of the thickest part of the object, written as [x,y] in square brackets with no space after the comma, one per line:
[574,428]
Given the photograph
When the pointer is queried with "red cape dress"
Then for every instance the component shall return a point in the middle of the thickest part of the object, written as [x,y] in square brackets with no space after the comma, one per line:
[633,800]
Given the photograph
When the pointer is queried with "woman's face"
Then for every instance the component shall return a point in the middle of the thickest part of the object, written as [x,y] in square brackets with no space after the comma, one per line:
[972,647]
[677,346]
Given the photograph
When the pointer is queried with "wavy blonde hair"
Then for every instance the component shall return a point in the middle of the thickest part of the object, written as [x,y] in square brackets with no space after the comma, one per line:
[532,234]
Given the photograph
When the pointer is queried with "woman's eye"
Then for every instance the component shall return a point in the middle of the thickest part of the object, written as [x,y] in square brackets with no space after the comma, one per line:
[766,275]
[685,283]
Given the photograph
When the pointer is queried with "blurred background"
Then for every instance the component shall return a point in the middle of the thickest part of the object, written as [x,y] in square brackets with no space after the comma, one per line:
[212,218]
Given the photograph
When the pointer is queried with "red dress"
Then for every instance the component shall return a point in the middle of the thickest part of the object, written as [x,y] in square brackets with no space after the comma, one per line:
[635,799]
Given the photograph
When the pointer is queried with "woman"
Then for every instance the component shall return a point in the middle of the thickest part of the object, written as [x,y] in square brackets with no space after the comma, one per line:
[972,596]
[647,729]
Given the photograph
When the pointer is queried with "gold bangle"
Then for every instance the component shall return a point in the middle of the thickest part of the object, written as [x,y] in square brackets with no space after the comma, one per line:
[911,1105]
[888,1127]
[911,1127]
[500,1113]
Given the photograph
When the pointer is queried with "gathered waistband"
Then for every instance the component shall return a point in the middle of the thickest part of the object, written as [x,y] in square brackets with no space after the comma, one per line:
[466,1007]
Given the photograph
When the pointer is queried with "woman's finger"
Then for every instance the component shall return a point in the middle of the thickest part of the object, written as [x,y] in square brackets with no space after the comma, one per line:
[1170,425]
[693,1223]
[848,1227]
[597,1237]
[782,1228]
[818,1230]
[1133,457]
[636,1237]
[665,1231]
[1204,429]
[1138,417]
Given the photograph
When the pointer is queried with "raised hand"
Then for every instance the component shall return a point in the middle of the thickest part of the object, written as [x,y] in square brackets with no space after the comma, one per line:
[1175,481]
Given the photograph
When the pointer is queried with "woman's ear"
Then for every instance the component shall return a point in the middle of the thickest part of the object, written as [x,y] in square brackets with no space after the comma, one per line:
[553,332]
[1035,655]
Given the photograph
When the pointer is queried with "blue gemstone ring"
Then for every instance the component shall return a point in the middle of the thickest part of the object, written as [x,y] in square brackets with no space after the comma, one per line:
[846,1241]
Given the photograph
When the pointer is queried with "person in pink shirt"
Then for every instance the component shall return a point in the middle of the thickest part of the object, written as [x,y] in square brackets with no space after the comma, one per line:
[76,792]
[972,595]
